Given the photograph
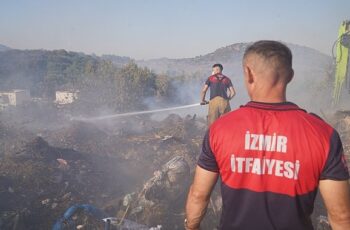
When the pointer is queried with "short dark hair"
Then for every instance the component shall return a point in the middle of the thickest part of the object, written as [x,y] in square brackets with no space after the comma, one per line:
[271,50]
[218,65]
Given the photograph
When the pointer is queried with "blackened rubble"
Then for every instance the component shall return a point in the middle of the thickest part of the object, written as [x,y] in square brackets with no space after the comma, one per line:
[136,170]
[99,164]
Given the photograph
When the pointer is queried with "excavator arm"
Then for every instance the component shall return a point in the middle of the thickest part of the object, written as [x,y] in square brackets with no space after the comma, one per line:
[342,68]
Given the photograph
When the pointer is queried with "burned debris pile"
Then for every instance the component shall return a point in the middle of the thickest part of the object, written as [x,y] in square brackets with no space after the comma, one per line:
[137,171]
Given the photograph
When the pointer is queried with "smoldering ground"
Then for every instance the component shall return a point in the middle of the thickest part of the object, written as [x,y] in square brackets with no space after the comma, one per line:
[50,162]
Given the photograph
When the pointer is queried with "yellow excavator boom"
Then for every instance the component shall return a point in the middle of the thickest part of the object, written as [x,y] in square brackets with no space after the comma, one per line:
[342,72]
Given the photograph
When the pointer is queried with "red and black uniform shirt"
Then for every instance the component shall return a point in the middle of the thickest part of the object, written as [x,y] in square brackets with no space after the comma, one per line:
[270,158]
[218,85]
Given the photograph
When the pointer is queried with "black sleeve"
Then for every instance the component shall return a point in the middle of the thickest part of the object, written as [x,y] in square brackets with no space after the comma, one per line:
[207,82]
[206,158]
[336,166]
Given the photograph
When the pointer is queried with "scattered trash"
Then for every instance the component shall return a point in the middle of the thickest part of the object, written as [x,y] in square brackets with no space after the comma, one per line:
[63,164]
[45,202]
[167,137]
[127,199]
[54,205]
[136,210]
[66,196]
[67,216]
[159,227]
[323,223]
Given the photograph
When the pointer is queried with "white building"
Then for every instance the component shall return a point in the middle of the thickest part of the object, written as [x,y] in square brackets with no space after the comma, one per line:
[66,97]
[14,97]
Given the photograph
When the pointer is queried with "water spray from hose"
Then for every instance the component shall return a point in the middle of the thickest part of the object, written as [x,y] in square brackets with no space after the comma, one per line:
[112,116]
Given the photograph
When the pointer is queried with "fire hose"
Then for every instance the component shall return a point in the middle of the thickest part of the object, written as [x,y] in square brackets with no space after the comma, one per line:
[66,220]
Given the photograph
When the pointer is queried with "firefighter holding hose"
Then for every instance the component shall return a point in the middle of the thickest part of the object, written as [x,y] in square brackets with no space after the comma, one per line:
[221,92]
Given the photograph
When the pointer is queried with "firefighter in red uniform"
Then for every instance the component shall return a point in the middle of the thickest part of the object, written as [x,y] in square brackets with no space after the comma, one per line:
[271,155]
[221,92]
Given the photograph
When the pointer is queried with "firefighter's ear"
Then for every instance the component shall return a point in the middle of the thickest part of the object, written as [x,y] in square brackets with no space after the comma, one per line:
[291,75]
[248,74]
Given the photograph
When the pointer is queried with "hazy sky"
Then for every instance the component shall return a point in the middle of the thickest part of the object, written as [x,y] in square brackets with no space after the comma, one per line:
[146,29]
